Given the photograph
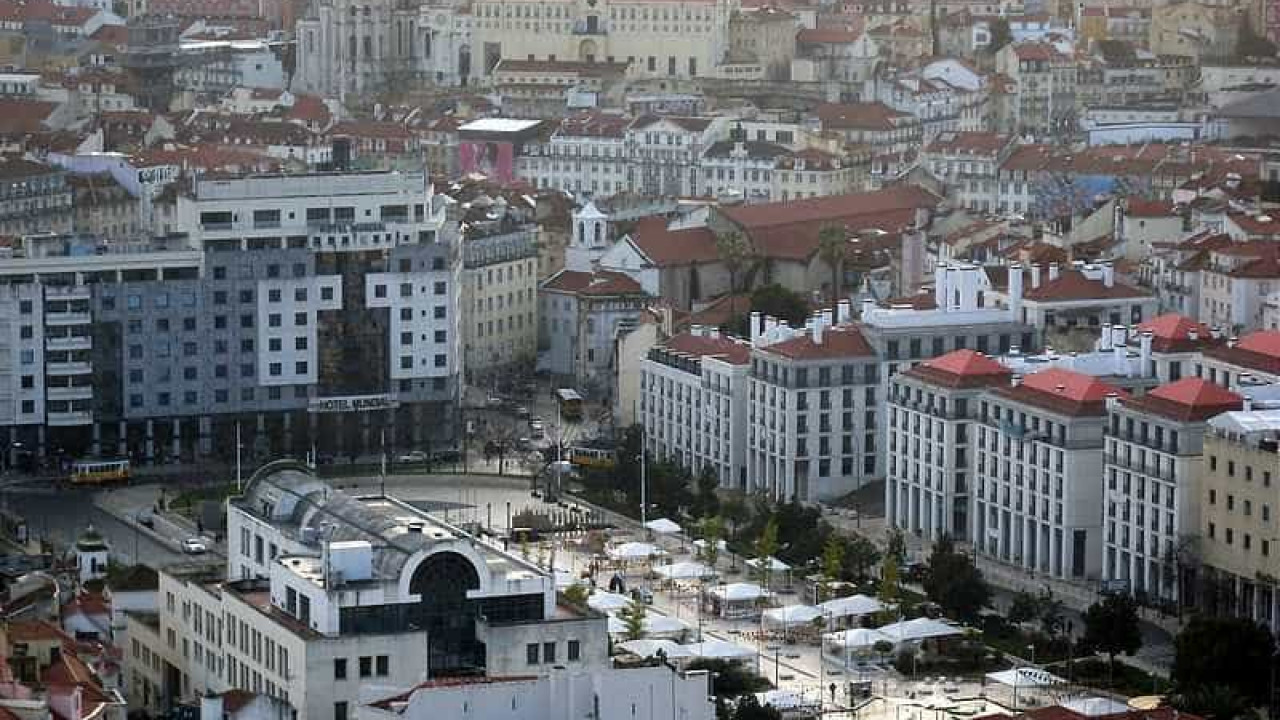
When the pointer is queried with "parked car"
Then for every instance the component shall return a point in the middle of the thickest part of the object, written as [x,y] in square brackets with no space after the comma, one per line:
[146,519]
[446,456]
[194,546]
[414,456]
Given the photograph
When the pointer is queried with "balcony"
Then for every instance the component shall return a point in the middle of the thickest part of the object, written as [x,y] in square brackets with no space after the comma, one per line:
[584,27]
[64,318]
[71,342]
[55,393]
[69,418]
[69,368]
[67,292]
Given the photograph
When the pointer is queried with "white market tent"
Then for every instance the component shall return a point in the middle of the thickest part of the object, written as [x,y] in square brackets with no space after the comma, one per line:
[851,606]
[663,526]
[772,563]
[654,625]
[785,700]
[684,571]
[633,551]
[845,645]
[736,600]
[791,615]
[720,650]
[606,601]
[647,648]
[1025,677]
[918,629]
[721,545]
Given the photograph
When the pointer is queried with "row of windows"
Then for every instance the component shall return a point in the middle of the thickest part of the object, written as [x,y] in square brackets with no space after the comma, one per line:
[545,653]
[220,396]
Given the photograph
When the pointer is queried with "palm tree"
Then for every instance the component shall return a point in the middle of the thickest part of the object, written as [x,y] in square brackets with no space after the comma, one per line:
[832,241]
[734,249]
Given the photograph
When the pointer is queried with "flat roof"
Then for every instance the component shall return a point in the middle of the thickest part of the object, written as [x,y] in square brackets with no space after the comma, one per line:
[499,125]
[18,77]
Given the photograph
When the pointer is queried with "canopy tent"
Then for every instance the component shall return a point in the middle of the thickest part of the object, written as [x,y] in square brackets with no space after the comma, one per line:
[851,606]
[721,545]
[663,526]
[647,648]
[846,645]
[564,579]
[653,625]
[773,564]
[684,571]
[792,615]
[606,601]
[633,551]
[1025,677]
[785,700]
[720,650]
[918,629]
[736,600]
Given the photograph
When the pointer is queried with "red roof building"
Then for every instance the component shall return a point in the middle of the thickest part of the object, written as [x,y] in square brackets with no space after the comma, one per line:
[1174,333]
[1190,399]
[1064,392]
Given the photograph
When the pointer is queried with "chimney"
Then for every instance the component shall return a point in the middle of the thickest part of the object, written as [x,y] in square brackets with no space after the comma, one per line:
[1054,271]
[1193,335]
[755,328]
[1015,291]
[828,317]
[1108,274]
[1104,340]
[1016,380]
[1035,275]
[1119,359]
[1145,353]
[940,286]
[695,330]
[1231,341]
[844,312]
[1113,401]
[818,324]
[1246,403]
[868,306]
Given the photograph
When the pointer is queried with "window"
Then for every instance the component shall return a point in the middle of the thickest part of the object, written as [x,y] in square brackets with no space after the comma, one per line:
[531,653]
[366,666]
[382,666]
[575,650]
[548,652]
[340,710]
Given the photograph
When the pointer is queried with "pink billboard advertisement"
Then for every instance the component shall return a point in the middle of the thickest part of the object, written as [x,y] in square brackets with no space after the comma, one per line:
[489,158]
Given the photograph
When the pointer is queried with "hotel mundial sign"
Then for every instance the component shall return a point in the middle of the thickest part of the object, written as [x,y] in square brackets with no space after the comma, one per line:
[353,403]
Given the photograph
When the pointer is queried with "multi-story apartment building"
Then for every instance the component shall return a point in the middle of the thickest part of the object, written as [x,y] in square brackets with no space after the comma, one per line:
[302,309]
[1038,450]
[1202,31]
[813,418]
[1234,282]
[1237,544]
[1154,453]
[1235,363]
[499,300]
[34,198]
[587,154]
[328,596]
[103,208]
[1082,296]
[1045,82]
[931,416]
[693,403]
[967,163]
[665,153]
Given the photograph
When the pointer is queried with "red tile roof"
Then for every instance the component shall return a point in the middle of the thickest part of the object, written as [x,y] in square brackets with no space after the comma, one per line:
[601,282]
[968,143]
[1171,332]
[1257,351]
[1035,51]
[961,369]
[667,247]
[1063,391]
[859,116]
[24,116]
[1072,285]
[837,342]
[36,631]
[720,311]
[450,682]
[1138,207]
[1266,342]
[1256,225]
[737,352]
[1188,400]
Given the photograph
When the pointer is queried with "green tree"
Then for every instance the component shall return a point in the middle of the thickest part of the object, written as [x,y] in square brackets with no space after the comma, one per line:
[750,709]
[705,501]
[832,243]
[632,617]
[730,678]
[860,556]
[1052,613]
[889,589]
[1001,35]
[735,251]
[577,594]
[1111,626]
[766,549]
[1213,702]
[735,513]
[712,532]
[1234,653]
[896,546]
[832,563]
[954,582]
[779,302]
[1024,608]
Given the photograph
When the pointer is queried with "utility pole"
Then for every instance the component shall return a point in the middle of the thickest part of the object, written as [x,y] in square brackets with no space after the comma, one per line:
[382,474]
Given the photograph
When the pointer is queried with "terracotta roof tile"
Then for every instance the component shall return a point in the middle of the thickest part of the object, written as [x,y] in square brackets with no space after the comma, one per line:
[837,342]
[720,311]
[1257,351]
[962,369]
[1139,207]
[1063,391]
[666,247]
[1073,285]
[1187,400]
[1171,332]
[601,282]
[731,350]
[859,116]
[968,143]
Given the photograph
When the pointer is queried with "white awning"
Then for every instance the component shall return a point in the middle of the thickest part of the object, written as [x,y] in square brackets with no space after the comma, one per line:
[720,649]
[1025,677]
[647,648]
[739,592]
[633,551]
[684,571]
[663,526]
[653,625]
[918,629]
[852,606]
[785,700]
[773,564]
[855,638]
[607,601]
[792,615]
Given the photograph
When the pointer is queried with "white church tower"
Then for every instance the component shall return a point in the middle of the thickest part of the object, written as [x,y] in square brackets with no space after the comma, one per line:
[590,239]
[92,554]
